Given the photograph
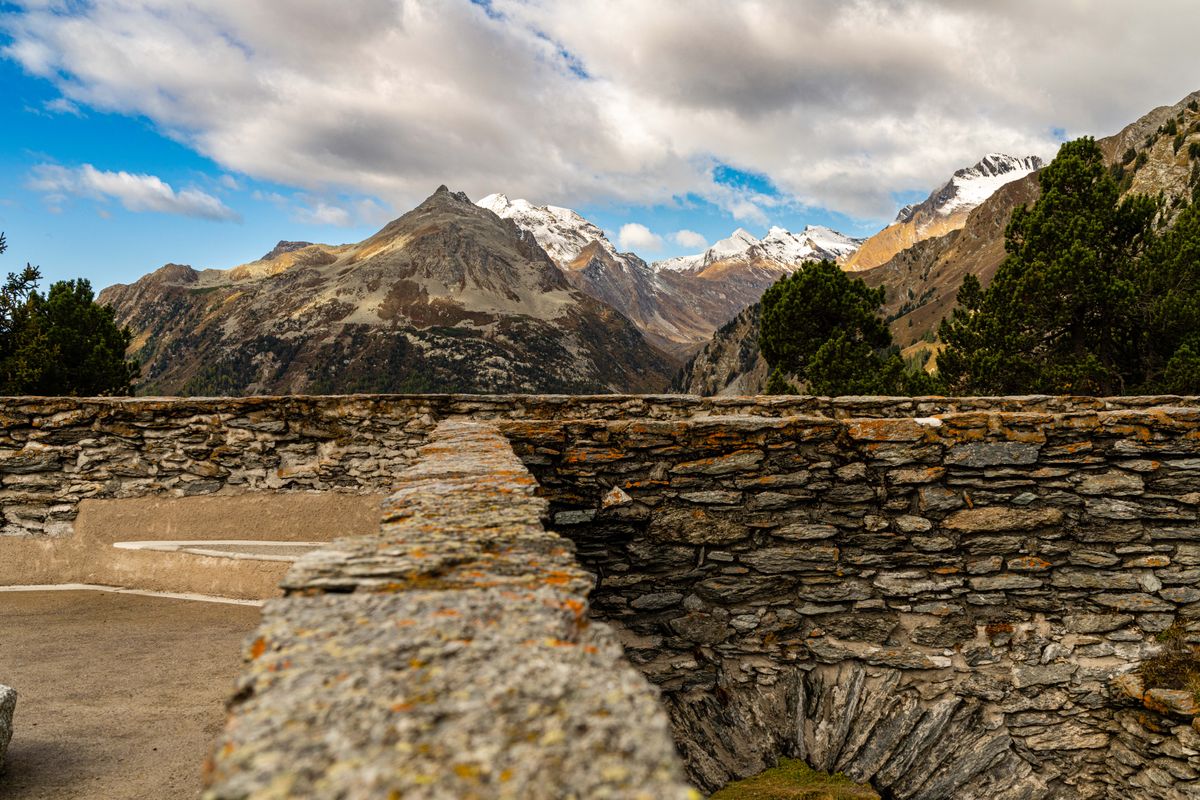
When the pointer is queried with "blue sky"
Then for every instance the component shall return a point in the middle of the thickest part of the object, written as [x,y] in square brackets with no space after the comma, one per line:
[142,132]
[98,238]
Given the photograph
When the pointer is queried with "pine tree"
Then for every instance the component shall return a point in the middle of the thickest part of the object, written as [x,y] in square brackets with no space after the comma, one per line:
[823,328]
[62,343]
[1061,315]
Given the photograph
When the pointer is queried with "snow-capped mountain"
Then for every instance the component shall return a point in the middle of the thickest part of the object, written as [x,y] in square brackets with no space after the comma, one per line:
[970,186]
[676,304]
[945,210]
[780,246]
[673,316]
[445,298]
[561,232]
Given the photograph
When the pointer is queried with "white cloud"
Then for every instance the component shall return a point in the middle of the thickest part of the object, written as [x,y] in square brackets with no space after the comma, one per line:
[690,239]
[324,214]
[635,236]
[840,104]
[136,192]
[61,105]
[353,213]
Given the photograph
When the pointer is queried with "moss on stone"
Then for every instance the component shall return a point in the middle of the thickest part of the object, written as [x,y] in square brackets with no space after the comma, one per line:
[1176,667]
[792,779]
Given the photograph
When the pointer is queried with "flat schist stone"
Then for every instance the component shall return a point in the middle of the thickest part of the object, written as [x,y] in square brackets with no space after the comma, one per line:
[485,693]
[8,705]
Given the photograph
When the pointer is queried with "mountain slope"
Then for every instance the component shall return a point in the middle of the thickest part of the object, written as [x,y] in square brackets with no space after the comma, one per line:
[677,305]
[446,298]
[667,314]
[945,210]
[922,281]
[730,364]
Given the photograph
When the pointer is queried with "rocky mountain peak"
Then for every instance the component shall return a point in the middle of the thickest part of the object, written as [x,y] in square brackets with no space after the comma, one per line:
[945,209]
[561,232]
[970,186]
[285,247]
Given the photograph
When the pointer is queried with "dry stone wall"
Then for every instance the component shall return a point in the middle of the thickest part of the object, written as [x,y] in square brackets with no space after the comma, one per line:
[946,597]
[450,656]
[946,604]
[55,452]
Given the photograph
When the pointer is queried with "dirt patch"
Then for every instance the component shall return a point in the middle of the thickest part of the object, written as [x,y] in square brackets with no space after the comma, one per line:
[120,695]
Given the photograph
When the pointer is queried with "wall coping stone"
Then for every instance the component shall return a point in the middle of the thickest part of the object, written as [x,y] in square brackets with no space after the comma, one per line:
[450,655]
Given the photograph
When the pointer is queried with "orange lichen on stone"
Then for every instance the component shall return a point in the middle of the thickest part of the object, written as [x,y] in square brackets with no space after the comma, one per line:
[888,430]
[1028,564]
[258,648]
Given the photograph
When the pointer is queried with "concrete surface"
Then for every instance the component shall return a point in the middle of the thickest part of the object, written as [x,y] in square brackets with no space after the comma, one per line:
[89,554]
[121,695]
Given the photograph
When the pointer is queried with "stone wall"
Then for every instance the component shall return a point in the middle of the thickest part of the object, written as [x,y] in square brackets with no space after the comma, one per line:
[448,656]
[943,596]
[944,603]
[55,452]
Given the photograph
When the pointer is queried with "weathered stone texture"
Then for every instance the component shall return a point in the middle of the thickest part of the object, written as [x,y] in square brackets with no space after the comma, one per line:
[8,706]
[995,569]
[932,594]
[451,655]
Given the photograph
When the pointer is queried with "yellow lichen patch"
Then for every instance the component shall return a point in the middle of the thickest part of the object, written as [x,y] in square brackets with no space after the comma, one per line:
[466,771]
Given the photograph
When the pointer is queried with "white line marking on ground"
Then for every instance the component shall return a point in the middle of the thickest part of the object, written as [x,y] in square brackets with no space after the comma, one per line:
[95,587]
[214,548]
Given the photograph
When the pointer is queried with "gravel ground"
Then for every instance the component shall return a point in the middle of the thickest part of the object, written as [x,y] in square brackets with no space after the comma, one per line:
[121,696]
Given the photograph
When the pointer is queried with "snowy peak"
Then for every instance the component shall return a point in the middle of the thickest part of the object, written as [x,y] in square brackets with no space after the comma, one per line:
[970,186]
[780,247]
[561,232]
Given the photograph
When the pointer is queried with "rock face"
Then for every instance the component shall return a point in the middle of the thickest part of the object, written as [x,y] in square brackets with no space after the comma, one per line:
[8,705]
[730,364]
[945,210]
[450,655]
[446,297]
[938,604]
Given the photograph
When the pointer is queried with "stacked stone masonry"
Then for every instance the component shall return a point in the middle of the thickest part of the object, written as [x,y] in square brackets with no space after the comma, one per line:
[946,597]
[448,656]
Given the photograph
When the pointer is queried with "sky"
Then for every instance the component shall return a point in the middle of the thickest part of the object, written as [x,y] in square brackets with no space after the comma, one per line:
[135,133]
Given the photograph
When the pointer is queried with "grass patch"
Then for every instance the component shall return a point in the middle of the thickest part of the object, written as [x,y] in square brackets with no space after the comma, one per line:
[792,779]
[1176,667]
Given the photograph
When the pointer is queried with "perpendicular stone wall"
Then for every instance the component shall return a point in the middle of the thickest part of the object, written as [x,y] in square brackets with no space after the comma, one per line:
[944,596]
[945,606]
[449,656]
[55,452]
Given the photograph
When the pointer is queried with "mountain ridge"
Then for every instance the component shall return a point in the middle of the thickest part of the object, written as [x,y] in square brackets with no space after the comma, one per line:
[945,209]
[922,280]
[448,297]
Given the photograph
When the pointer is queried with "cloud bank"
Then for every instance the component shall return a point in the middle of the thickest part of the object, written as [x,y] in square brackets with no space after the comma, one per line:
[134,191]
[840,104]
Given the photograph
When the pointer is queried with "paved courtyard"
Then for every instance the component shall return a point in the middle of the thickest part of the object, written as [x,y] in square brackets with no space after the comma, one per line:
[120,695]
